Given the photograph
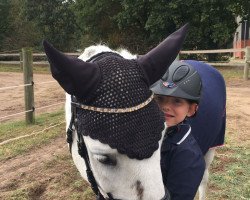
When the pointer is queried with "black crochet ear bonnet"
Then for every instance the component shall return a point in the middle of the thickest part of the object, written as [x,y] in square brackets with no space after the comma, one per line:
[122,86]
[117,107]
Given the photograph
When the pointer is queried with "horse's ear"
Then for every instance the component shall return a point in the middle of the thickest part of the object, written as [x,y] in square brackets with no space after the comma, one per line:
[75,76]
[156,61]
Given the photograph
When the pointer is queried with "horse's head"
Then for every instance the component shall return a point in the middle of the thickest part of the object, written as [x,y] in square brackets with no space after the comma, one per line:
[121,123]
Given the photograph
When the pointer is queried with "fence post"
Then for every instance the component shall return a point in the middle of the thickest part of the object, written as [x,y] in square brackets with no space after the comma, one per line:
[28,79]
[21,60]
[247,63]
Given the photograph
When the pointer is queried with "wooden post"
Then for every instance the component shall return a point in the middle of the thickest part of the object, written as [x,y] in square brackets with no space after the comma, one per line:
[21,60]
[247,63]
[28,79]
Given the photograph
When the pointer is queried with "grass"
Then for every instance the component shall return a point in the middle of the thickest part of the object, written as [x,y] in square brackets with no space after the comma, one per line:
[16,129]
[231,73]
[230,174]
[39,69]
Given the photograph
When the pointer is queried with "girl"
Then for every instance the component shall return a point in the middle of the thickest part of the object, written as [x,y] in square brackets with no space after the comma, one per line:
[182,162]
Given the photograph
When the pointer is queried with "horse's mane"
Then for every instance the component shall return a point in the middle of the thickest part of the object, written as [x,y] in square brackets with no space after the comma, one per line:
[95,49]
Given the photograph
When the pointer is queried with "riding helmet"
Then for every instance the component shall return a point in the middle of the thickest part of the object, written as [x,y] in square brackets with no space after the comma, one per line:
[180,80]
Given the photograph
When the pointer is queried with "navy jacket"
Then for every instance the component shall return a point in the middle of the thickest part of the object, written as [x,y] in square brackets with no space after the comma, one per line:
[182,163]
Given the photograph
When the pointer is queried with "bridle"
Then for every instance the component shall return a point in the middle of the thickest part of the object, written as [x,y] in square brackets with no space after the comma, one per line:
[82,149]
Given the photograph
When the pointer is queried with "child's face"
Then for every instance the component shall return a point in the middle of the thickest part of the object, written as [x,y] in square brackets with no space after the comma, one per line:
[175,109]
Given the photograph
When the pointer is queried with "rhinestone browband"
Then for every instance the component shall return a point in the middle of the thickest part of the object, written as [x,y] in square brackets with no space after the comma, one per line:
[115,110]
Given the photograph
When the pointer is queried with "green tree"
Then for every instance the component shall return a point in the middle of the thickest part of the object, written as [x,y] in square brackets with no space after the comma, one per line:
[21,32]
[95,19]
[55,20]
[142,24]
[241,8]
[4,21]
[212,22]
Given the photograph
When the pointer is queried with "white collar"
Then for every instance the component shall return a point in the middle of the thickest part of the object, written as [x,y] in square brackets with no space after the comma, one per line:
[185,136]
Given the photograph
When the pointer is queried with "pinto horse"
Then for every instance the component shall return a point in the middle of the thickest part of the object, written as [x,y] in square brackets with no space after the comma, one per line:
[115,127]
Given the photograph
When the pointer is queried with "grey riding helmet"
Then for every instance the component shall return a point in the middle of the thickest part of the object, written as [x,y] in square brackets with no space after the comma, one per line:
[180,80]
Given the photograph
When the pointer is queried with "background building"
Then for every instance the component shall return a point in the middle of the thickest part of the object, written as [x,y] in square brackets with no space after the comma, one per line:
[241,37]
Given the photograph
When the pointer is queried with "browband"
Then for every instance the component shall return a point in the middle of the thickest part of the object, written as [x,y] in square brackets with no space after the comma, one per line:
[114,110]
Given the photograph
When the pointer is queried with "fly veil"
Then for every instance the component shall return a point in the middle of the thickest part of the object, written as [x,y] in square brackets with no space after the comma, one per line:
[113,96]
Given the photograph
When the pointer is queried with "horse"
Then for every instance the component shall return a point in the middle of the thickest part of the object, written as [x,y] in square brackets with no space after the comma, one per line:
[208,125]
[114,126]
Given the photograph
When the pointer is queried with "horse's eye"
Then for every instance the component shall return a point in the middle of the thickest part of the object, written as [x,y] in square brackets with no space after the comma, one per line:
[106,159]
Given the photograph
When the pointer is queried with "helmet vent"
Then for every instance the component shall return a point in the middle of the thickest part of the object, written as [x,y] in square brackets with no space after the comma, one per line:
[180,73]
